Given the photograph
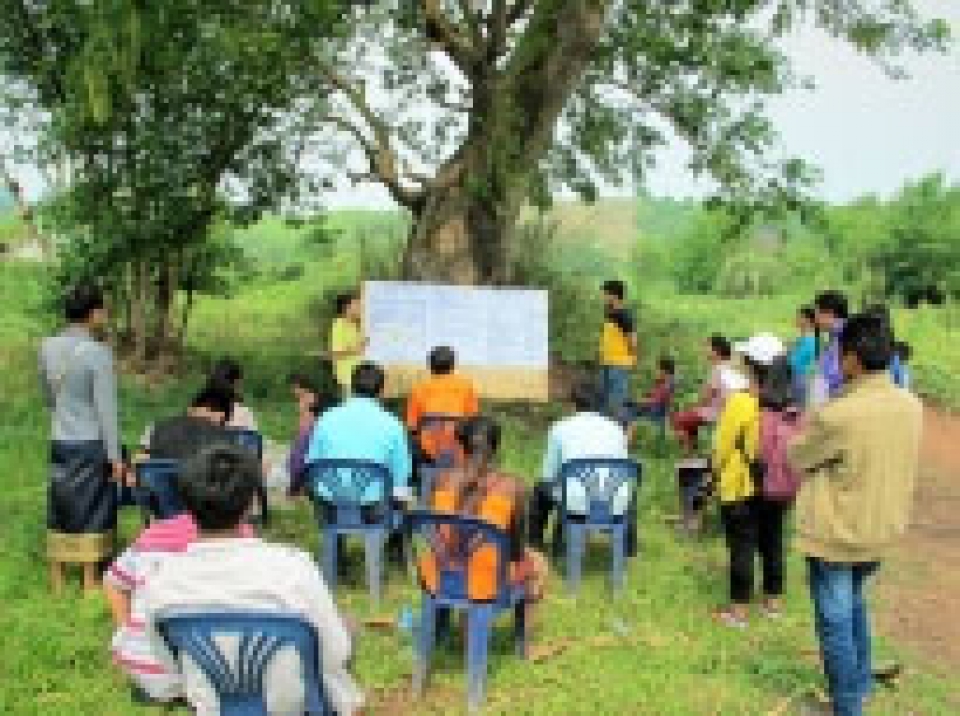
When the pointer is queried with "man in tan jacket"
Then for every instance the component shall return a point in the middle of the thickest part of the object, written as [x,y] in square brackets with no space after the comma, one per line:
[859,454]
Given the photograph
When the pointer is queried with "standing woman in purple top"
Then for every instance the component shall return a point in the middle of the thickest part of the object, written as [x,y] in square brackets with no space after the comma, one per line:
[832,310]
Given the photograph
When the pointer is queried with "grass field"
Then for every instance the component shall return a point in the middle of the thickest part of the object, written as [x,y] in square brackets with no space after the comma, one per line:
[652,650]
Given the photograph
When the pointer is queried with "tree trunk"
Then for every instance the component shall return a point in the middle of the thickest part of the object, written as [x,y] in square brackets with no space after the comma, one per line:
[166,291]
[139,298]
[459,236]
[465,217]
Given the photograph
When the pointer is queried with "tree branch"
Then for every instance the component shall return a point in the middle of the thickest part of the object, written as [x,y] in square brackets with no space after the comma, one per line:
[382,161]
[472,19]
[498,23]
[518,11]
[450,36]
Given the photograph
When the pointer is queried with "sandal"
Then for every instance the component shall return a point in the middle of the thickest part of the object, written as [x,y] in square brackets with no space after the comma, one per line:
[772,608]
[729,617]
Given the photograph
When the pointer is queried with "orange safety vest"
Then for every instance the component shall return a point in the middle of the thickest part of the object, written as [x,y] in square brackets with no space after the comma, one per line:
[496,508]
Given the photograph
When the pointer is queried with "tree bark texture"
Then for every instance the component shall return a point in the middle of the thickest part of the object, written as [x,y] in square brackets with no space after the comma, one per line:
[464,217]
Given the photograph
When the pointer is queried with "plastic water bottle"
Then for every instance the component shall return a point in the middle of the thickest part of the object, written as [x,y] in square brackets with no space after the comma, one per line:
[406,622]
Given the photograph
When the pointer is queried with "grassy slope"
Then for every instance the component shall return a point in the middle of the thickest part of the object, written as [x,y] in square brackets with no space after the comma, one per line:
[672,660]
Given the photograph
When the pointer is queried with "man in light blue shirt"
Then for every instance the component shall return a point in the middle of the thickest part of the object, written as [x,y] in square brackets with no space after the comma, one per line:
[361,429]
[585,434]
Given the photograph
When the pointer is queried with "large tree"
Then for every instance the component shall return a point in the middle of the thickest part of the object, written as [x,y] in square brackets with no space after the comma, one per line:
[467,109]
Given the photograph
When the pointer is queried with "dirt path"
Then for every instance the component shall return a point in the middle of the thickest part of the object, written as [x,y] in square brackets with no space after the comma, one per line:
[921,586]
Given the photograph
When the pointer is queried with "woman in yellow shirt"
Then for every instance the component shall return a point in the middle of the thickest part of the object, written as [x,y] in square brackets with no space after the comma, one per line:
[751,524]
[347,342]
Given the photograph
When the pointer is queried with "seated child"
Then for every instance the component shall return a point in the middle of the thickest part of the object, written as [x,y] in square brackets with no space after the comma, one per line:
[656,406]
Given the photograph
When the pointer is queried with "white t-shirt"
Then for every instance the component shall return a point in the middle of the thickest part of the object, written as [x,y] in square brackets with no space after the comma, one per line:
[250,574]
[585,436]
[725,380]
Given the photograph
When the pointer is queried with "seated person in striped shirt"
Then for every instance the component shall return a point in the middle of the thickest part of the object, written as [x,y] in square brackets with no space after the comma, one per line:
[224,570]
[124,585]
[444,393]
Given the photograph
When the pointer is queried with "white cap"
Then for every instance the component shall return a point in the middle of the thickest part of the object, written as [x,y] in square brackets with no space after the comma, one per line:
[763,348]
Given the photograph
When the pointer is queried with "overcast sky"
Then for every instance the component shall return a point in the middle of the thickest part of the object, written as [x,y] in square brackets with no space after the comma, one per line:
[866,132]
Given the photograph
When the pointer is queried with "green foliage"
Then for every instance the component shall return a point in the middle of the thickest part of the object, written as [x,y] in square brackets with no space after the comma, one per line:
[697,253]
[173,116]
[12,230]
[921,258]
[572,273]
[906,248]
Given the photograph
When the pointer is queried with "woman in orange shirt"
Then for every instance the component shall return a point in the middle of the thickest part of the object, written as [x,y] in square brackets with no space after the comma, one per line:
[479,490]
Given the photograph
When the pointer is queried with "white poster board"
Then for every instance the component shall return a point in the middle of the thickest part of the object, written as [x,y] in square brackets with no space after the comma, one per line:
[500,335]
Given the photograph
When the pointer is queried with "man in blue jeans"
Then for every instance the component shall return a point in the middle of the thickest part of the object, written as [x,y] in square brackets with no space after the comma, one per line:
[859,454]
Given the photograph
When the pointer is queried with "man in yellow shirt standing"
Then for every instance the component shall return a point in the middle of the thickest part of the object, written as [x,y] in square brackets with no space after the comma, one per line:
[618,350]
[347,342]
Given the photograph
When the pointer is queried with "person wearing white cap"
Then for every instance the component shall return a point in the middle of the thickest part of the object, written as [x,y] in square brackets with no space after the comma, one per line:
[752,522]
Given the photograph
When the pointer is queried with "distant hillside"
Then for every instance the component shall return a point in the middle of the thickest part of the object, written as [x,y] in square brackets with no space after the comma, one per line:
[6,201]
[614,225]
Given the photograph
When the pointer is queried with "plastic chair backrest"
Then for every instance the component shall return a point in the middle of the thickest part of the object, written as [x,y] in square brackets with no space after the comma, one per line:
[239,682]
[157,488]
[248,439]
[453,539]
[600,479]
[348,485]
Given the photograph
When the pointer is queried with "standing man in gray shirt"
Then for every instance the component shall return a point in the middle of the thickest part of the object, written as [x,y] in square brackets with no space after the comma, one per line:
[80,388]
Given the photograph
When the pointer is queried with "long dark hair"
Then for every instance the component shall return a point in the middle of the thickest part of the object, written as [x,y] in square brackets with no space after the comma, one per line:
[777,388]
[775,381]
[228,372]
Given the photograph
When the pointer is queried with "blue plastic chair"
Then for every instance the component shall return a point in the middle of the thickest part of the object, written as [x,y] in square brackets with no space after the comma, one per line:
[452,556]
[156,490]
[249,439]
[600,480]
[239,683]
[347,482]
